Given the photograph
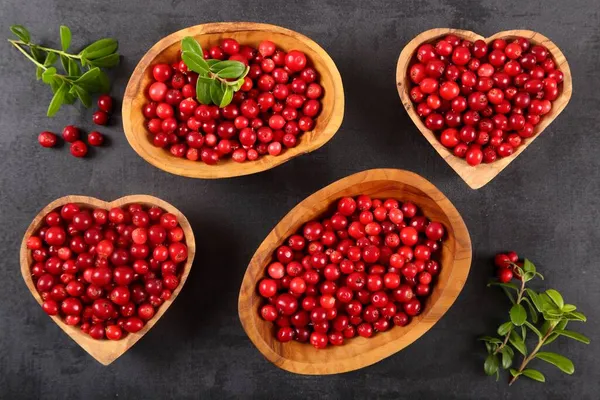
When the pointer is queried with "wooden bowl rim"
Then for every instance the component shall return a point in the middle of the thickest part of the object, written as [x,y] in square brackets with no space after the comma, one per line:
[456,280]
[106,351]
[477,177]
[323,133]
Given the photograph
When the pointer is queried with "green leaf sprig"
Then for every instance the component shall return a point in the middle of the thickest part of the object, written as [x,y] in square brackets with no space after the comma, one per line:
[553,315]
[82,74]
[217,80]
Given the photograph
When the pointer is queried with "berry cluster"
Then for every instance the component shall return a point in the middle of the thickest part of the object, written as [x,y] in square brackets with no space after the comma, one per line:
[107,271]
[481,100]
[504,263]
[277,102]
[359,271]
[71,133]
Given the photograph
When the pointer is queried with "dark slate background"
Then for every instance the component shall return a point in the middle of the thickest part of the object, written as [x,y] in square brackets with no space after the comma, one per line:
[544,205]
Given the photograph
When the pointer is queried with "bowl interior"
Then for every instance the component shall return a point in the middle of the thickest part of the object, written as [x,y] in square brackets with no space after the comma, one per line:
[167,51]
[106,351]
[356,347]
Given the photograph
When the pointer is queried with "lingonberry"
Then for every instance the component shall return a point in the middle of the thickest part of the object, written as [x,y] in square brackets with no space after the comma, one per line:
[47,139]
[105,102]
[100,118]
[78,149]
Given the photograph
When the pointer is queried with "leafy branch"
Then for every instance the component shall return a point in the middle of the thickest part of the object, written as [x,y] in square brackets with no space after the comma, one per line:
[82,74]
[553,315]
[217,80]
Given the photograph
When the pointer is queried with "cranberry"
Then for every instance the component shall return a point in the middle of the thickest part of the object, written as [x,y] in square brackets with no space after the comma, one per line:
[79,149]
[100,118]
[47,139]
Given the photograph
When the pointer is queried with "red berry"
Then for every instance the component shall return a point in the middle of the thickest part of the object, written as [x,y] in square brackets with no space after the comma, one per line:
[47,139]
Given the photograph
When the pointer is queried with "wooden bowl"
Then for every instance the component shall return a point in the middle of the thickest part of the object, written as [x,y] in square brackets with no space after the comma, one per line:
[107,351]
[480,175]
[166,50]
[455,261]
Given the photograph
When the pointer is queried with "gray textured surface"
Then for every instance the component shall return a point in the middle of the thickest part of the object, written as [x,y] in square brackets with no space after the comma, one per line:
[545,205]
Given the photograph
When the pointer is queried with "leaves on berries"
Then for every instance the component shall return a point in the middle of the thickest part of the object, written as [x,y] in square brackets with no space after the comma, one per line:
[21,32]
[518,315]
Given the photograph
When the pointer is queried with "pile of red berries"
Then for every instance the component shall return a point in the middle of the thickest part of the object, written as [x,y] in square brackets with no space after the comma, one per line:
[71,133]
[481,100]
[107,271]
[277,102]
[504,262]
[359,271]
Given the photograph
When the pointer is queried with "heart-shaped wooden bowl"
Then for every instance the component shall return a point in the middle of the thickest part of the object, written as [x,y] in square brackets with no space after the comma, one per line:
[455,261]
[166,50]
[107,351]
[478,176]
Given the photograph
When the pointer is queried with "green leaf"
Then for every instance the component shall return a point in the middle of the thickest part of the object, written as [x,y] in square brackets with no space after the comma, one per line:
[535,299]
[523,332]
[195,62]
[518,315]
[576,316]
[48,75]
[504,285]
[514,372]
[205,79]
[216,92]
[533,374]
[528,266]
[561,362]
[50,59]
[547,303]
[245,72]
[212,62]
[100,48]
[21,32]
[38,73]
[517,342]
[64,60]
[57,100]
[534,329]
[221,65]
[237,85]
[65,37]
[69,98]
[232,72]
[37,54]
[532,311]
[82,94]
[203,92]
[227,97]
[506,358]
[556,297]
[568,308]
[109,61]
[490,339]
[73,68]
[191,45]
[527,276]
[505,328]
[573,335]
[490,366]
[94,81]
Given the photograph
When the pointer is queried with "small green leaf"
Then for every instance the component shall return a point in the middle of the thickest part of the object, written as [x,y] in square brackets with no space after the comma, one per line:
[505,328]
[556,297]
[21,32]
[528,266]
[109,61]
[514,372]
[489,347]
[560,362]
[517,342]
[490,366]
[64,60]
[573,335]
[190,44]
[534,329]
[100,48]
[50,59]
[535,299]
[232,72]
[38,73]
[490,339]
[576,316]
[504,285]
[73,68]
[203,91]
[69,98]
[205,79]
[48,75]
[568,308]
[82,94]
[506,358]
[533,374]
[227,97]
[532,311]
[237,84]
[37,54]
[195,62]
[560,325]
[65,37]
[221,65]
[94,81]
[527,276]
[216,92]
[57,100]
[212,62]
[518,315]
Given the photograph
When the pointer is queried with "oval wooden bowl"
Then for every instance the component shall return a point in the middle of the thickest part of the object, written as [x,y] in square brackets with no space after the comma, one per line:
[107,351]
[166,50]
[455,258]
[480,175]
